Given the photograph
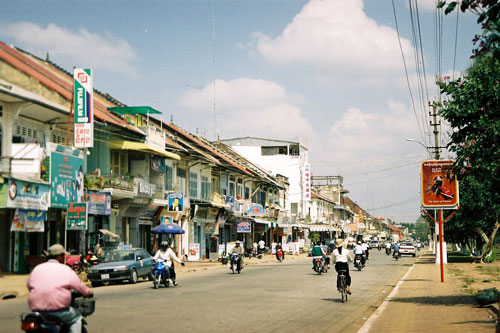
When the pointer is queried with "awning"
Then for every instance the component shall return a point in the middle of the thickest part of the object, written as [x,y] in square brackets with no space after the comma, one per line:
[319,228]
[262,222]
[134,110]
[140,146]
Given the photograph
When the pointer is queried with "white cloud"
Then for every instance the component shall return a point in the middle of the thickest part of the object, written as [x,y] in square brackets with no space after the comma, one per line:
[335,35]
[250,107]
[361,135]
[80,47]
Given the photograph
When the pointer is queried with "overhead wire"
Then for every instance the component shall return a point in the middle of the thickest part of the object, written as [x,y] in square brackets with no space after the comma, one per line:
[406,70]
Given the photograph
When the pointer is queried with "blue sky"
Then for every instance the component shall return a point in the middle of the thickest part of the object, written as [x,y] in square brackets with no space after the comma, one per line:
[329,70]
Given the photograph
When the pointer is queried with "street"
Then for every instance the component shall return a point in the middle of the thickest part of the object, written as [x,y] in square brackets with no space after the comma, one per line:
[264,297]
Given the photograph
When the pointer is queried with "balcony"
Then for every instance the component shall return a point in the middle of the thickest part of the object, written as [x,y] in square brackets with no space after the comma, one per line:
[123,183]
[26,161]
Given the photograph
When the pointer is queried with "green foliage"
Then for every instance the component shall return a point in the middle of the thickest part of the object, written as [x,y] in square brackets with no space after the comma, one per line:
[314,237]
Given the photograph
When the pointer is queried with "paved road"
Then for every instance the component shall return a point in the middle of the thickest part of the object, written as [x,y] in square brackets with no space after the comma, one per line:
[265,297]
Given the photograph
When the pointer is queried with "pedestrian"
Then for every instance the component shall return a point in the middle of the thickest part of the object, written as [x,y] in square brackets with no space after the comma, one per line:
[262,246]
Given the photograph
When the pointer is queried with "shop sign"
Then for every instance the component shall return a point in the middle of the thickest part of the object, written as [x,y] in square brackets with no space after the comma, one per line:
[27,195]
[84,108]
[76,217]
[307,182]
[243,227]
[439,184]
[256,210]
[144,188]
[28,220]
[201,213]
[212,213]
[99,203]
[212,228]
[194,252]
[231,202]
[175,202]
[66,176]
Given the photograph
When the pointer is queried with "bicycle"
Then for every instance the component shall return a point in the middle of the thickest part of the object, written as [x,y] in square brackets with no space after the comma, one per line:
[342,285]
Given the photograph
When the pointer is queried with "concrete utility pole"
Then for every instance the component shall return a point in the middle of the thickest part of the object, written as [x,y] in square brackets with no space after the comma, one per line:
[435,132]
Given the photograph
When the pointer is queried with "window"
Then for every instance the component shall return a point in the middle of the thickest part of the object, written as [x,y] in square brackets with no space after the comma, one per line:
[193,185]
[274,150]
[231,189]
[247,192]
[118,162]
[239,188]
[169,178]
[294,208]
[181,180]
[294,150]
[205,188]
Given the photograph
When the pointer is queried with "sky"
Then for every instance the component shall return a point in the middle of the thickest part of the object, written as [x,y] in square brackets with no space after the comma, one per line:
[334,72]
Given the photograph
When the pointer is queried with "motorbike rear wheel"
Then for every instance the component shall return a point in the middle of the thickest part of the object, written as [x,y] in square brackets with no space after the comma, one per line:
[157,280]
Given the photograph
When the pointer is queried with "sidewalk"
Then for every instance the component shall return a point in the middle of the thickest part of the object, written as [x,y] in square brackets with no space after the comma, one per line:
[14,285]
[421,303]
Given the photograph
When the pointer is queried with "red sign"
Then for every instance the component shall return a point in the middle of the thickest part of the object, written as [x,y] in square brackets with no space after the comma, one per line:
[439,184]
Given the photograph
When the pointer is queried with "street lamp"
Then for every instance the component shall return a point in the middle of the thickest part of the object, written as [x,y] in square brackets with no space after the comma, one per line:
[420,143]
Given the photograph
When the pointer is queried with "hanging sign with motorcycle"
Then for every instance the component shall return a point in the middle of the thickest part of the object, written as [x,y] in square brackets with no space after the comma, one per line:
[439,184]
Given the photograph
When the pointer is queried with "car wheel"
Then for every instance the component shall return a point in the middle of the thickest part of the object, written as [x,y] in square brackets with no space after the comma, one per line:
[150,276]
[95,284]
[133,276]
[413,254]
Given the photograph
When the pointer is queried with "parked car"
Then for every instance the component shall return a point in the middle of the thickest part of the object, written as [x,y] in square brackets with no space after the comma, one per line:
[407,248]
[373,244]
[122,264]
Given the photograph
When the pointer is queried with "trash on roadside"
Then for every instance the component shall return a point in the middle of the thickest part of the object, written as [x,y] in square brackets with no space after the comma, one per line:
[487,296]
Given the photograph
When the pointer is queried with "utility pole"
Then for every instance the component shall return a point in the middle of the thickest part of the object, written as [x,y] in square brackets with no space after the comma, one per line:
[435,125]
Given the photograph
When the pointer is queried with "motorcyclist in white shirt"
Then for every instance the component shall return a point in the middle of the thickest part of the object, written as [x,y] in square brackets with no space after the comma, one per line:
[166,253]
[365,249]
[359,250]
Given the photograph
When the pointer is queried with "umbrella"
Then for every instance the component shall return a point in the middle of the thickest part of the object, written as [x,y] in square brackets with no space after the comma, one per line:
[168,228]
[108,233]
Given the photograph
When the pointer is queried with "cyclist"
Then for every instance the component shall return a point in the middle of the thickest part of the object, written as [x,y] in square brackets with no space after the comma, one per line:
[341,257]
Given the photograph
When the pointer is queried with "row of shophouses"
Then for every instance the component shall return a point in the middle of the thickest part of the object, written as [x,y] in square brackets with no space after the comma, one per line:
[142,171]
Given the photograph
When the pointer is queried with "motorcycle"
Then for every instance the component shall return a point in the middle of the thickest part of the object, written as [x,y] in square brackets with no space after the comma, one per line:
[357,262]
[235,263]
[279,255]
[318,265]
[161,273]
[78,264]
[379,247]
[387,250]
[397,255]
[38,322]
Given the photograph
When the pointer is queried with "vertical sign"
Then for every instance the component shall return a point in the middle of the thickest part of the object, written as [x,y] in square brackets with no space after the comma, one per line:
[76,218]
[439,184]
[307,182]
[83,108]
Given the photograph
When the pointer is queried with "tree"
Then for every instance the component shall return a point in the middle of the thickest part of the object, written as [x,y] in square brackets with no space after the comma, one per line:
[471,109]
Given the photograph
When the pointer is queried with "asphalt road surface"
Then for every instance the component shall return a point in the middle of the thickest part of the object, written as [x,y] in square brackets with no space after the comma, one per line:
[263,298]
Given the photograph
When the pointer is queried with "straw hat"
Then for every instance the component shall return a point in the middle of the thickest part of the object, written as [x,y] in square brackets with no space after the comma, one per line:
[340,242]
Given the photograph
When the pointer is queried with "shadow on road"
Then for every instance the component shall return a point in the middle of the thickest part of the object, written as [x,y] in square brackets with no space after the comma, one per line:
[335,300]
[437,300]
[415,280]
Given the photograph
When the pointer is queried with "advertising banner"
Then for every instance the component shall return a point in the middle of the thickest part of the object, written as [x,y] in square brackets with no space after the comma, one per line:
[307,182]
[256,210]
[194,252]
[76,218]
[243,227]
[99,203]
[28,220]
[212,228]
[83,108]
[27,195]
[66,176]
[439,184]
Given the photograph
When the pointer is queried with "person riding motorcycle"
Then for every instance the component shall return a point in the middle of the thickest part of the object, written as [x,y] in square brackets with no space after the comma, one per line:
[317,252]
[50,286]
[388,247]
[365,249]
[396,249]
[166,253]
[358,250]
[279,247]
[238,249]
[341,257]
[325,249]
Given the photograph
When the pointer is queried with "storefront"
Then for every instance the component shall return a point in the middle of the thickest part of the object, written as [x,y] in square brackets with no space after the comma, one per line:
[99,211]
[24,205]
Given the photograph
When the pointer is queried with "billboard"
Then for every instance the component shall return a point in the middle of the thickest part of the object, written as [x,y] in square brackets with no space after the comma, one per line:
[27,195]
[307,182]
[83,106]
[439,184]
[77,216]
[66,176]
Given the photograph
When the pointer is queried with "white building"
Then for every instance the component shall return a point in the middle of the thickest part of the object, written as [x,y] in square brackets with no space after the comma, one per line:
[287,158]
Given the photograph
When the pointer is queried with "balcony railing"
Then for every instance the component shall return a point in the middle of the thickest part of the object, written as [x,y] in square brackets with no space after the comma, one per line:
[94,182]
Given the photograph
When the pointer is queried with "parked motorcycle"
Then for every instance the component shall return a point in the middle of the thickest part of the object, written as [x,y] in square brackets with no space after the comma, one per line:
[92,258]
[358,262]
[235,263]
[161,273]
[279,255]
[38,322]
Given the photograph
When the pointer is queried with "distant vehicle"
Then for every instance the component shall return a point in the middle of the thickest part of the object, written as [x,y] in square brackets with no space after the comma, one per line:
[407,248]
[373,244]
[122,264]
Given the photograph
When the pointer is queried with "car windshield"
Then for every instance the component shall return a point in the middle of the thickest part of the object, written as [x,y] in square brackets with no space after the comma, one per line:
[406,244]
[119,256]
